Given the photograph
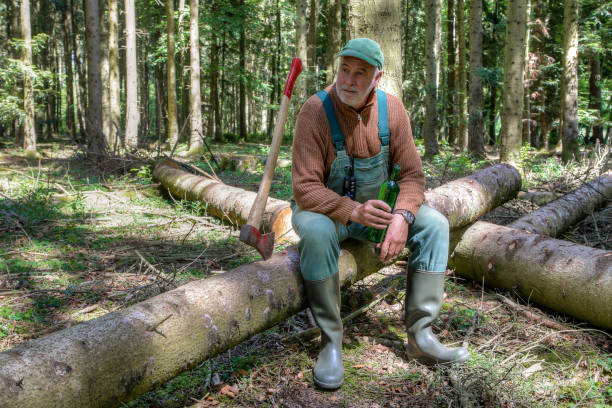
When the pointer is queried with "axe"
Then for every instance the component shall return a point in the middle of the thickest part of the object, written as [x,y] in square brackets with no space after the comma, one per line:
[249,233]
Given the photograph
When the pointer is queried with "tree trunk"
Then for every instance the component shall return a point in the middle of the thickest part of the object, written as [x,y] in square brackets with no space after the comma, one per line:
[512,110]
[172,135]
[29,129]
[334,38]
[132,117]
[462,201]
[125,353]
[554,218]
[311,63]
[242,118]
[301,47]
[195,98]
[595,97]
[451,93]
[95,137]
[381,21]
[114,73]
[81,76]
[107,125]
[433,43]
[462,77]
[563,276]
[569,94]
[476,121]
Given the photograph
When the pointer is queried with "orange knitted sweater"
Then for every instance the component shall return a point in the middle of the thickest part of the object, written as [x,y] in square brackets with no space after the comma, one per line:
[313,153]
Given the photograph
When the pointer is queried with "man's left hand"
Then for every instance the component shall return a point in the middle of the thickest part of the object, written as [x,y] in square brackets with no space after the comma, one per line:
[395,239]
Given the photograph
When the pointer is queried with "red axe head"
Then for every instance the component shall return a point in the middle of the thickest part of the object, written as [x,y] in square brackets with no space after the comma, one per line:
[264,243]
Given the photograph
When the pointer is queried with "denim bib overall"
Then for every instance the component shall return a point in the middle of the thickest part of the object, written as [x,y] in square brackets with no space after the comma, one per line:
[320,236]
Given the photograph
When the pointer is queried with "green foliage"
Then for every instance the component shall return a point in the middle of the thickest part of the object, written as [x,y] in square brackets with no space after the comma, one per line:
[12,72]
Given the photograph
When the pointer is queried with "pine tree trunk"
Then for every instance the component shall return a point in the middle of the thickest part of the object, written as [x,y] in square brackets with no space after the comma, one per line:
[29,129]
[195,98]
[565,277]
[311,63]
[476,121]
[95,137]
[334,38]
[301,48]
[132,118]
[114,75]
[380,21]
[107,125]
[462,77]
[512,110]
[595,97]
[451,49]
[556,217]
[569,133]
[242,120]
[172,135]
[433,44]
[81,76]
[214,114]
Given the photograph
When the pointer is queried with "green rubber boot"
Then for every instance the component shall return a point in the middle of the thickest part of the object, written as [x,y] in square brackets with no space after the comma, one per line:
[424,292]
[324,301]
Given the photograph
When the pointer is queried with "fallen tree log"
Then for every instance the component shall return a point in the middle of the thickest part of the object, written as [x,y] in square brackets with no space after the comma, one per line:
[462,201]
[231,204]
[556,217]
[563,276]
[114,358]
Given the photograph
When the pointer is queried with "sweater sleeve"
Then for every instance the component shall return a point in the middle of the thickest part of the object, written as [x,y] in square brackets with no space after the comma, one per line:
[311,149]
[403,151]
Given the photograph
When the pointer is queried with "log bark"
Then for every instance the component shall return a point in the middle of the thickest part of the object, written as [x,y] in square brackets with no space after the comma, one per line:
[553,219]
[114,358]
[462,201]
[560,275]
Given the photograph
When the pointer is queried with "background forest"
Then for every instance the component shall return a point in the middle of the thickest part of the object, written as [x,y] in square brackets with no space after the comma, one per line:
[239,54]
[94,93]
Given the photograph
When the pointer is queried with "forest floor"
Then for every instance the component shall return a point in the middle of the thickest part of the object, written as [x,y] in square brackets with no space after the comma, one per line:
[77,242]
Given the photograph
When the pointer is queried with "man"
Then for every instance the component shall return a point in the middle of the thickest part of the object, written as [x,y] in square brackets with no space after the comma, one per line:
[352,125]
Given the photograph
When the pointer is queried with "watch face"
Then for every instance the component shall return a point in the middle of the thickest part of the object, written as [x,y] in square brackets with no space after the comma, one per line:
[409,217]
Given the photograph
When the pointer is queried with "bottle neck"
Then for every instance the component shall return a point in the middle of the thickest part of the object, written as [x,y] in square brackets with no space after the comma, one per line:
[395,173]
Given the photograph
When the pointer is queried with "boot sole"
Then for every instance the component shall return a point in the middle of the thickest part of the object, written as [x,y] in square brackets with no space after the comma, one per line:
[328,386]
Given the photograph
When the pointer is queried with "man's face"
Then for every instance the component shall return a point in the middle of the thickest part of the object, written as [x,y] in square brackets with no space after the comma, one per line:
[356,78]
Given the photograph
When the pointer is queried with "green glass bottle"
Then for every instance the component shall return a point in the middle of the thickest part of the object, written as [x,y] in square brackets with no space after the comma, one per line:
[388,192]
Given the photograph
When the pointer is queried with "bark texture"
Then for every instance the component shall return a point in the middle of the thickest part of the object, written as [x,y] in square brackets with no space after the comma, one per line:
[171,77]
[563,276]
[380,21]
[95,138]
[29,129]
[462,77]
[476,123]
[195,97]
[554,218]
[433,44]
[132,118]
[114,75]
[569,85]
[334,38]
[514,62]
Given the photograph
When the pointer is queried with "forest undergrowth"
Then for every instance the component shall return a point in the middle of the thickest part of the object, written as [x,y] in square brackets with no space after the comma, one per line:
[77,242]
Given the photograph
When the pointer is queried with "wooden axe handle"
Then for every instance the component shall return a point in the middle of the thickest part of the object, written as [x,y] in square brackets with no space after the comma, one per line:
[257,210]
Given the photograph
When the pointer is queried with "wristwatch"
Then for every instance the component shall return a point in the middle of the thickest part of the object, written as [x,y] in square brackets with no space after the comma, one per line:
[408,216]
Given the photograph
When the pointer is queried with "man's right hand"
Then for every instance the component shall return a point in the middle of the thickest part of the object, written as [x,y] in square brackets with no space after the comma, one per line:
[372,213]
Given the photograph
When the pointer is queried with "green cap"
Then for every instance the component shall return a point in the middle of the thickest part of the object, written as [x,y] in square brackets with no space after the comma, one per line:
[365,49]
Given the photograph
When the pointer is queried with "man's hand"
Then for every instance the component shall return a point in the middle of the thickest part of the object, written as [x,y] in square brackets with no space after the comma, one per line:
[395,239]
[372,213]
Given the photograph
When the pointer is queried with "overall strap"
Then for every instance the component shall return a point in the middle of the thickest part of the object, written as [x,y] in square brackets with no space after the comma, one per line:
[337,136]
[383,118]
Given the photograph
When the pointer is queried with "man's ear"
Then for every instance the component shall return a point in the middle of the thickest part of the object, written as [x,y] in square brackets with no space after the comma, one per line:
[377,78]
